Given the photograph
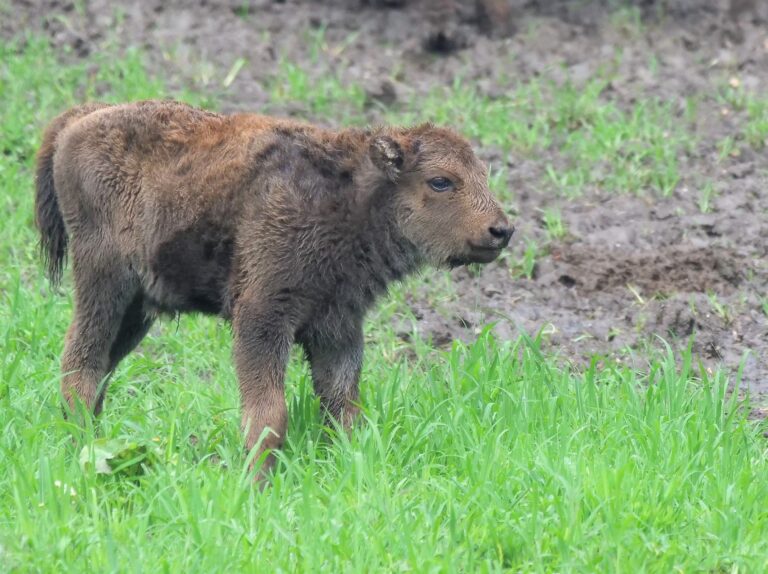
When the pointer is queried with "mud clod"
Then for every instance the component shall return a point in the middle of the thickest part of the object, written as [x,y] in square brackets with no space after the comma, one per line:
[381,92]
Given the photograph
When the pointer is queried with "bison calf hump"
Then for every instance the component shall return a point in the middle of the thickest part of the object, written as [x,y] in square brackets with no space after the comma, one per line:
[191,269]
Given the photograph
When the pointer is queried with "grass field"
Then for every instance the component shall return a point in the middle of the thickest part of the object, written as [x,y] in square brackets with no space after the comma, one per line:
[491,457]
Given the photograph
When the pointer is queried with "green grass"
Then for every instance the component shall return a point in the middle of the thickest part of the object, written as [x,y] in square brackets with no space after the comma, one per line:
[553,223]
[525,266]
[322,94]
[734,97]
[706,195]
[486,458]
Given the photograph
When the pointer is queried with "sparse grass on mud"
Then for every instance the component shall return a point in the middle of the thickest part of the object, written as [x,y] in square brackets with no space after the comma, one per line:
[484,458]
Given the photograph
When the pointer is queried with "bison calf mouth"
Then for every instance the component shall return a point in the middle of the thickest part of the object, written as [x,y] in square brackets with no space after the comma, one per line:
[475,255]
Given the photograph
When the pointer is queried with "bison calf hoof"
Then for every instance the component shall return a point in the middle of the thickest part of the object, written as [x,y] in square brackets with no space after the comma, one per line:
[263,467]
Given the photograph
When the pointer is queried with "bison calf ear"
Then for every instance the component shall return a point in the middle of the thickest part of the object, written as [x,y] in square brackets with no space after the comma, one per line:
[387,155]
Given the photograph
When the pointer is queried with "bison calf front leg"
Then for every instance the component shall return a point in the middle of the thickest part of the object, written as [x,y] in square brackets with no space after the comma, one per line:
[336,361]
[262,347]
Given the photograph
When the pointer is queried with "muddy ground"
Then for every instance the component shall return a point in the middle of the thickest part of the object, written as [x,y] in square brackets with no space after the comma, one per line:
[630,267]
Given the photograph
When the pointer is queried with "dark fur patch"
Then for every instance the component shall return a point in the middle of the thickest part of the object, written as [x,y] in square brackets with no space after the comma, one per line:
[194,265]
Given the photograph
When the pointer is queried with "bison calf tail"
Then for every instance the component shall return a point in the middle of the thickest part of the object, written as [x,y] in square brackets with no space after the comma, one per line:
[53,235]
[48,218]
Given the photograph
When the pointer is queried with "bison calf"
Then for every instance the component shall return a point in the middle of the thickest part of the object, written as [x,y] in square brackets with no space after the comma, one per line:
[289,230]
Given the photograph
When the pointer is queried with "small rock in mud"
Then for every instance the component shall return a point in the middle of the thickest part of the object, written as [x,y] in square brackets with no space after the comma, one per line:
[675,318]
[442,338]
[496,17]
[381,92]
[741,170]
[712,350]
[491,291]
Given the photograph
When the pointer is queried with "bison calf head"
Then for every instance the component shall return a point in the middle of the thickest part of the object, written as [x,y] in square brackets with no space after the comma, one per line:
[441,196]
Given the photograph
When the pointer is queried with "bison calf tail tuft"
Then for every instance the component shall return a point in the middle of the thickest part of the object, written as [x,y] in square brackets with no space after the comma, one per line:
[50,223]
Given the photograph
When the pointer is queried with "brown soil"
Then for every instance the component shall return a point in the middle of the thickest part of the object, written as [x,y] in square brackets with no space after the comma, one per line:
[631,267]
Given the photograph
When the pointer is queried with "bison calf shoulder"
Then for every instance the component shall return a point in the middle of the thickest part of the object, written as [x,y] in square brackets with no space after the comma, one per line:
[289,230]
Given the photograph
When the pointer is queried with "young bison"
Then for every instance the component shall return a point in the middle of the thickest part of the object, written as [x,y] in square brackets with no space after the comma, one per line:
[289,230]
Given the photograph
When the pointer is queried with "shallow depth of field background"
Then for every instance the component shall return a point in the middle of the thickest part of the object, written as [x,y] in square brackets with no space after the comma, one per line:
[592,402]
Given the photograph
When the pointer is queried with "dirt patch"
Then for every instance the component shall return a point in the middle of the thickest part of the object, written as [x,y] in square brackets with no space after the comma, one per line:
[630,268]
[661,273]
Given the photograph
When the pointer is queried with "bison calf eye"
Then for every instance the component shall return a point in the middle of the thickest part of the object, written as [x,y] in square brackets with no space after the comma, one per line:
[440,184]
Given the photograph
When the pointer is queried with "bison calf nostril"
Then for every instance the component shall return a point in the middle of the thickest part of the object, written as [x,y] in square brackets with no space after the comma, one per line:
[500,232]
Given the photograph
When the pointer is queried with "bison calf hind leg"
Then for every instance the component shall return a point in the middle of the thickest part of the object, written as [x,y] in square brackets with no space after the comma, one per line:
[133,328]
[101,329]
[336,361]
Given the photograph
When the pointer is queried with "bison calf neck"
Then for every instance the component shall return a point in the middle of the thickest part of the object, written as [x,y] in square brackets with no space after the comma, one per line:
[289,230]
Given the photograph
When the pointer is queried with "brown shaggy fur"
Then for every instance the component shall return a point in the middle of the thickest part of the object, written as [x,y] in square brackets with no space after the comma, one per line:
[289,230]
